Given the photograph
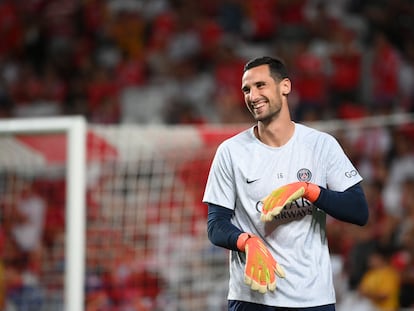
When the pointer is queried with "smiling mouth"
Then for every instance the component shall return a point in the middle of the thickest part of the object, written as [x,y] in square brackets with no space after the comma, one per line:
[258,105]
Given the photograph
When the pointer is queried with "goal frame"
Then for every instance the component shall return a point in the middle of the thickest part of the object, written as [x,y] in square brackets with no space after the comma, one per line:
[75,128]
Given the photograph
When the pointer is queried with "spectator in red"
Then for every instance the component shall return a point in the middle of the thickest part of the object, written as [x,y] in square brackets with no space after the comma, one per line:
[346,68]
[54,87]
[261,15]
[102,95]
[228,98]
[291,11]
[311,82]
[95,14]
[211,34]
[161,28]
[130,72]
[384,70]
[11,28]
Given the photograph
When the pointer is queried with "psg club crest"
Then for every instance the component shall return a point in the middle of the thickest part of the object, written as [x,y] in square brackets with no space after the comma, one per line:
[304,174]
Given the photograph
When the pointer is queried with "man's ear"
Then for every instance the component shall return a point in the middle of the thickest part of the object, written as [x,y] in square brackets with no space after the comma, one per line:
[285,86]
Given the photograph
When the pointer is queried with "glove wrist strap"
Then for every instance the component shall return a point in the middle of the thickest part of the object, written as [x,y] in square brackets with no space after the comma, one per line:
[241,241]
[312,192]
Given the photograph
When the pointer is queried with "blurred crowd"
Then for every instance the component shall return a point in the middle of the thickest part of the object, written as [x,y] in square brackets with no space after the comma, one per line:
[376,262]
[181,61]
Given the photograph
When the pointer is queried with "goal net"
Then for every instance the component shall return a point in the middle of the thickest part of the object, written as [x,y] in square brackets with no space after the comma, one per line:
[143,245]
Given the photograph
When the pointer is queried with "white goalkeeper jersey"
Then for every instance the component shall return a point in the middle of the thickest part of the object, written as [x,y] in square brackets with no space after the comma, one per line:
[243,172]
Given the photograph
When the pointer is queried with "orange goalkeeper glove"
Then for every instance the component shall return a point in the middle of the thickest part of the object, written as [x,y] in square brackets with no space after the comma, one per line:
[279,198]
[260,267]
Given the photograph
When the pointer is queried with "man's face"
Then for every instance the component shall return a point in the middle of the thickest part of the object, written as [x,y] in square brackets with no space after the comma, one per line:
[261,93]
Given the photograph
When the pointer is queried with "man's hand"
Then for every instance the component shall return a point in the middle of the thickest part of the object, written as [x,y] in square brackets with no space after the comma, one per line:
[279,198]
[260,267]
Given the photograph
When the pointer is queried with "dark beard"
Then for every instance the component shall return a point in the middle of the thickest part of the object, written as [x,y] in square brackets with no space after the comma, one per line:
[267,119]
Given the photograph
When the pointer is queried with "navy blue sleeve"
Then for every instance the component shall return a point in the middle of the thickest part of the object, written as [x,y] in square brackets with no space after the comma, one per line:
[220,230]
[349,206]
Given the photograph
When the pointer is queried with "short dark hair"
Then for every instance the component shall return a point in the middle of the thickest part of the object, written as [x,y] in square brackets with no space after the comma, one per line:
[277,68]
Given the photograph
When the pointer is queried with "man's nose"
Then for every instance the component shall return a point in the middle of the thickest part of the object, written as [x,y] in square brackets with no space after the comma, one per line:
[253,95]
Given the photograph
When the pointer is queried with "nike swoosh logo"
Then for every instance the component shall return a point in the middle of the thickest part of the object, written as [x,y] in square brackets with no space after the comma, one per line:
[249,181]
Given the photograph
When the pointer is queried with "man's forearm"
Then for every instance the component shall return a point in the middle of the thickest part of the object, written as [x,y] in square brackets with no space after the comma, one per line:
[221,231]
[349,206]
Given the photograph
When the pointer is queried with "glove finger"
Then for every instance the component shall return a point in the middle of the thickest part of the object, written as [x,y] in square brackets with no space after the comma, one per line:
[265,217]
[253,277]
[276,201]
[270,279]
[274,206]
[266,205]
[296,195]
[272,286]
[265,214]
[259,284]
[254,285]
[279,271]
[269,202]
[247,279]
[270,209]
[276,210]
[261,288]
[249,274]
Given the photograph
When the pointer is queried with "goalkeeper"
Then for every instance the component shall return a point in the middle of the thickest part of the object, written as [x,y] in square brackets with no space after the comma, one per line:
[269,190]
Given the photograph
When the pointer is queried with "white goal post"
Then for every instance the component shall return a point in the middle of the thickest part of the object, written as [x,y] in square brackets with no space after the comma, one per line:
[75,130]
